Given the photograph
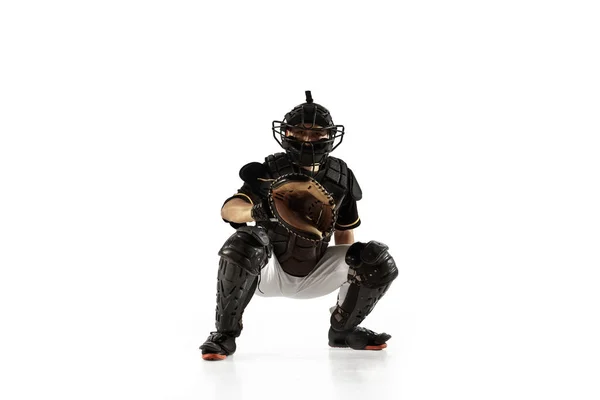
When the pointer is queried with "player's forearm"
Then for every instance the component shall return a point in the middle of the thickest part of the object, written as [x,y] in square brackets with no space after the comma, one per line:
[344,237]
[237,210]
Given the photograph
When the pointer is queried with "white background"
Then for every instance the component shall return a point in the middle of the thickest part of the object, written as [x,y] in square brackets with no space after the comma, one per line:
[472,128]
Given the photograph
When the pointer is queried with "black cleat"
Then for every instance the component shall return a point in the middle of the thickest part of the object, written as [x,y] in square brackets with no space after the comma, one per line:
[358,338]
[218,346]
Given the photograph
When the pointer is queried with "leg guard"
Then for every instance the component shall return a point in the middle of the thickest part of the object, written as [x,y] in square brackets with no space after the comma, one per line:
[372,270]
[243,255]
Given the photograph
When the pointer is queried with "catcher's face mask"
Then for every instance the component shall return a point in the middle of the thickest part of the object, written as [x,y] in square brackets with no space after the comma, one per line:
[297,132]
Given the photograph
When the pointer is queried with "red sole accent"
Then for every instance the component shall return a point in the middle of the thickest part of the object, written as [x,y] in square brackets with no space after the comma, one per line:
[213,357]
[379,347]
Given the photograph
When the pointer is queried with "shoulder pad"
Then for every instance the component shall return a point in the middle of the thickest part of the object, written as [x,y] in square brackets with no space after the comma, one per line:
[354,186]
[251,171]
[275,155]
[278,164]
[275,158]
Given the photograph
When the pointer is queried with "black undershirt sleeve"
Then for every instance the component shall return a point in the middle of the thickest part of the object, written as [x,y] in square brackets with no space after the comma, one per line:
[348,215]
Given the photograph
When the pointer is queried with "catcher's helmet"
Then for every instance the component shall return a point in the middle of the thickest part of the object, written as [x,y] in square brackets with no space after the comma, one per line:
[308,116]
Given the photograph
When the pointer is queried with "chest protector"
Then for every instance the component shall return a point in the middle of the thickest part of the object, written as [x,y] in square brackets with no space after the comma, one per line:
[298,256]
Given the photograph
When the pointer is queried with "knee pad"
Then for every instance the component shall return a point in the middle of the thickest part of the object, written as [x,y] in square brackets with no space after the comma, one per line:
[371,265]
[248,248]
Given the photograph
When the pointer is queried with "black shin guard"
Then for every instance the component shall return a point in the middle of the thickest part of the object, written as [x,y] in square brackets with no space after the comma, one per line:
[372,270]
[359,303]
[235,288]
[243,255]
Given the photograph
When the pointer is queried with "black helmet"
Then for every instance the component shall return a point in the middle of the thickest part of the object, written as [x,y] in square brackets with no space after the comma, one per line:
[308,116]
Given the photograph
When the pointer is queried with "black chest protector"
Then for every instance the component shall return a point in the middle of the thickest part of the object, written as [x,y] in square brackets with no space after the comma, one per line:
[298,256]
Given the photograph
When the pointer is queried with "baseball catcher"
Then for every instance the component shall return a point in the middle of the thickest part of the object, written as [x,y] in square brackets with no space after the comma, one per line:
[295,202]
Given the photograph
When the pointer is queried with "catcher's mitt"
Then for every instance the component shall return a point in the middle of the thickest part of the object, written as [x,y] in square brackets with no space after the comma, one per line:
[303,206]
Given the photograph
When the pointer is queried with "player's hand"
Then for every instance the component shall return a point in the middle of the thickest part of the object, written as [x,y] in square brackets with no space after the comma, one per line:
[261,211]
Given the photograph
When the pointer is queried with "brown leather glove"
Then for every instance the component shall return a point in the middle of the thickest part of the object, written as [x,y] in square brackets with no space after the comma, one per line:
[303,206]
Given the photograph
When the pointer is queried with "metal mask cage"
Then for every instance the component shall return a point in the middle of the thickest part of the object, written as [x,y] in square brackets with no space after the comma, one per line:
[334,133]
